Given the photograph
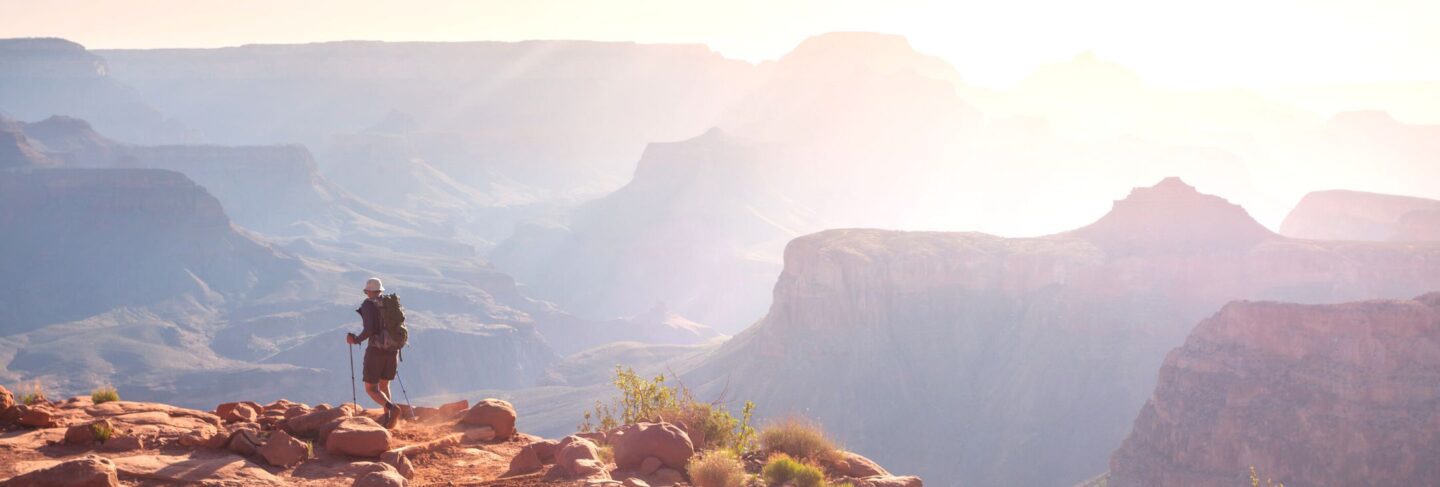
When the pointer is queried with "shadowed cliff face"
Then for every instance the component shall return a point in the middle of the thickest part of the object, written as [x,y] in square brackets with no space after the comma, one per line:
[1038,351]
[1359,216]
[98,239]
[1338,394]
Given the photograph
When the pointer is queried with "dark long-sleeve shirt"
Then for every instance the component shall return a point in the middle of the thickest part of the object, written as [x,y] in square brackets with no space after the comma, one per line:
[373,322]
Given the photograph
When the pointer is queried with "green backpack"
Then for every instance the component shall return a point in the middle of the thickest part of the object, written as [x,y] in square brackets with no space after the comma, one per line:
[393,315]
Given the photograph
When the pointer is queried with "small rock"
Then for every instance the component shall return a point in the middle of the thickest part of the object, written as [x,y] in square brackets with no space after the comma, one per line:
[666,477]
[308,425]
[454,407]
[284,451]
[90,471]
[851,464]
[494,413]
[889,481]
[634,482]
[84,434]
[123,444]
[483,433]
[7,400]
[545,450]
[236,412]
[396,458]
[361,437]
[387,478]
[579,457]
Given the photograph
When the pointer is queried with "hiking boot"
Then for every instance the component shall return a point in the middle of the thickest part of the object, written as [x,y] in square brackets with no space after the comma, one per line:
[385,418]
[392,415]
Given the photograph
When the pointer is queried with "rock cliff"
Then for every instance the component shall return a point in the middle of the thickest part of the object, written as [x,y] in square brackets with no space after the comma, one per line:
[1040,350]
[1339,394]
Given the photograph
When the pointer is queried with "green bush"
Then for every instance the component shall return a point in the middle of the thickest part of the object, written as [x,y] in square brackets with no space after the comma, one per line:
[780,469]
[102,431]
[798,438]
[716,468]
[654,400]
[104,394]
[1255,480]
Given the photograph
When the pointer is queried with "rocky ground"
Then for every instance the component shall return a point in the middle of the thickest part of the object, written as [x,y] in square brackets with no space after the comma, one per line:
[76,442]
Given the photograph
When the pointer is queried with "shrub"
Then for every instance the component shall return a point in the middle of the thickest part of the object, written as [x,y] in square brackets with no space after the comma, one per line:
[104,394]
[717,468]
[655,400]
[33,394]
[1255,480]
[102,432]
[606,454]
[798,438]
[780,469]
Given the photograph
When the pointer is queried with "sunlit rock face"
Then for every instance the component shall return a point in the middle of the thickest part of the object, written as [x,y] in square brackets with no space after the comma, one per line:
[972,359]
[1360,216]
[44,77]
[1340,394]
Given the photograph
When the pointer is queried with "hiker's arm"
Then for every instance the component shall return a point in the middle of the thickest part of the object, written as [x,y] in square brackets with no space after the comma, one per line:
[370,318]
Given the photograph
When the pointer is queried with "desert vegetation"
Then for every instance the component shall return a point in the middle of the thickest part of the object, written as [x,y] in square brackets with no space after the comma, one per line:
[655,400]
[31,394]
[798,438]
[104,394]
[717,468]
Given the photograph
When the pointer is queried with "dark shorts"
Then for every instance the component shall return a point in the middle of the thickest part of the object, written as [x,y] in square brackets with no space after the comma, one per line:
[380,365]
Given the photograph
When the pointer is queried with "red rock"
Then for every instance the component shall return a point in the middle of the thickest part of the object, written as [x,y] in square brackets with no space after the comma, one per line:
[7,400]
[1296,391]
[84,434]
[599,437]
[38,416]
[545,450]
[889,481]
[284,451]
[245,442]
[494,413]
[308,425]
[525,461]
[235,412]
[666,477]
[634,443]
[1360,216]
[579,458]
[481,434]
[454,407]
[361,437]
[381,479]
[296,411]
[123,444]
[851,464]
[650,465]
[91,471]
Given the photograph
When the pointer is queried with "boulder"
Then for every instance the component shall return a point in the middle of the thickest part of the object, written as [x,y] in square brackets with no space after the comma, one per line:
[525,461]
[296,411]
[84,434]
[7,400]
[596,436]
[123,444]
[206,439]
[38,416]
[579,457]
[388,478]
[851,464]
[483,433]
[665,441]
[90,471]
[494,413]
[889,481]
[545,450]
[236,412]
[283,450]
[245,442]
[454,407]
[358,436]
[634,482]
[650,465]
[11,415]
[308,425]
[279,405]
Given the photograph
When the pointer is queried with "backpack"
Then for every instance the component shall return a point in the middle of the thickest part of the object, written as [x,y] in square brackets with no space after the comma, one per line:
[393,316]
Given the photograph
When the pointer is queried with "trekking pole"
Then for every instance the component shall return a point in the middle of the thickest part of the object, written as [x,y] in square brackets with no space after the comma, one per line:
[406,394]
[354,398]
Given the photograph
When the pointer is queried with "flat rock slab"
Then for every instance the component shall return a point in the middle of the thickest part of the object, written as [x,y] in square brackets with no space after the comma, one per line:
[195,468]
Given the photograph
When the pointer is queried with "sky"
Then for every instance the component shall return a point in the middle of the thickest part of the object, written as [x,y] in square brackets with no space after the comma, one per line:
[1185,44]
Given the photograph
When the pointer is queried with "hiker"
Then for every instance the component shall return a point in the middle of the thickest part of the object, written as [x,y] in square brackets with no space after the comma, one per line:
[381,360]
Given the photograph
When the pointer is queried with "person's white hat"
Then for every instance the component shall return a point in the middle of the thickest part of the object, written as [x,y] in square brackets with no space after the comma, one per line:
[374,285]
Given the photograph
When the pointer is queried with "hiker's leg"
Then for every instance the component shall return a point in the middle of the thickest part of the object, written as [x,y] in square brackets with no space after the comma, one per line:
[384,387]
[373,390]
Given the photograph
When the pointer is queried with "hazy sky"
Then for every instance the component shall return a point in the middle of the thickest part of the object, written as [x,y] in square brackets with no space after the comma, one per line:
[1177,43]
